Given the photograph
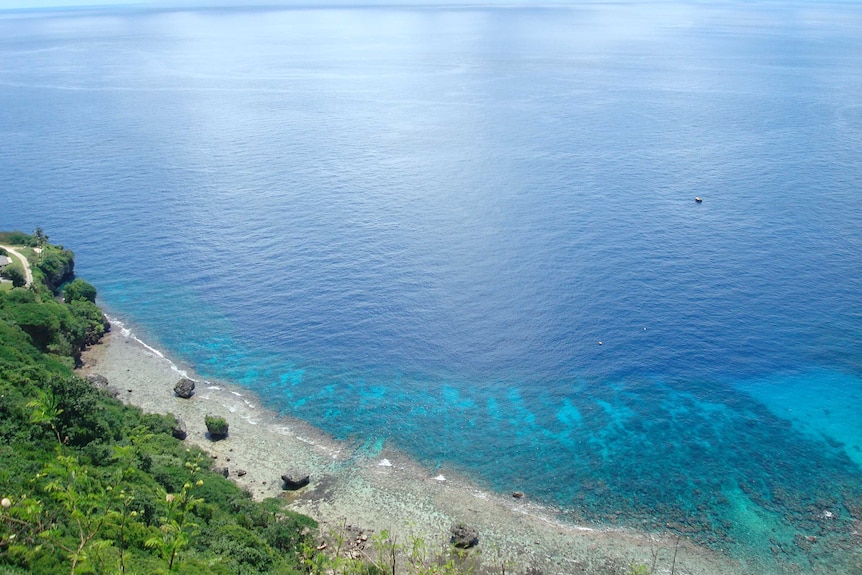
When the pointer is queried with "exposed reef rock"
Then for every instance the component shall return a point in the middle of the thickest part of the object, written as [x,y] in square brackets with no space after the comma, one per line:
[185,388]
[463,536]
[294,479]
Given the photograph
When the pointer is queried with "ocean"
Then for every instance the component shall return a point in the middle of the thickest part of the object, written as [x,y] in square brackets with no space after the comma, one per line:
[470,233]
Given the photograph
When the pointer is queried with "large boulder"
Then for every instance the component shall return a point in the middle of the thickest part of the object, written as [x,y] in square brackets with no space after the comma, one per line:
[463,536]
[294,479]
[185,388]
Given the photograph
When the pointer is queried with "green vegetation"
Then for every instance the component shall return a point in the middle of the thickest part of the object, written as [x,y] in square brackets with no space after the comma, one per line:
[15,272]
[79,290]
[18,238]
[56,266]
[40,237]
[61,330]
[216,426]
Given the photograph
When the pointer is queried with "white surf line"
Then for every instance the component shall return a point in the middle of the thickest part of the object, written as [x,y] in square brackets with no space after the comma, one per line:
[128,334]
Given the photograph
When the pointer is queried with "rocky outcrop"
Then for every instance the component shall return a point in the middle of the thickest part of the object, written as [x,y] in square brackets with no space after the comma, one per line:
[99,381]
[294,479]
[463,537]
[185,388]
[179,429]
[106,323]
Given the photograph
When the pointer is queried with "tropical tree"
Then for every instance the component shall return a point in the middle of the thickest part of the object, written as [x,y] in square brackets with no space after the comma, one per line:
[46,410]
[79,289]
[177,530]
[85,499]
[41,238]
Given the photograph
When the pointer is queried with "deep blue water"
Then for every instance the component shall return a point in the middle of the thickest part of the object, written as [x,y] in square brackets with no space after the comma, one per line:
[417,224]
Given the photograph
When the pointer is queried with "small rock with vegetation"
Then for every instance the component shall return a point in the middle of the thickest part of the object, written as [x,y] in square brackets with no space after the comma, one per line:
[217,427]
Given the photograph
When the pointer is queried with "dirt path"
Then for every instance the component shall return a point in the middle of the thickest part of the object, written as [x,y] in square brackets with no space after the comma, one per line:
[28,273]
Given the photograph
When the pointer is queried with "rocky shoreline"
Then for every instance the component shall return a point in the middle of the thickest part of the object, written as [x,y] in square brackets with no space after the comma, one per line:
[375,487]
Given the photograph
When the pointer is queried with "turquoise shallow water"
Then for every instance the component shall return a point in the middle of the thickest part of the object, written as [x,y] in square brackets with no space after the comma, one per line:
[415,226]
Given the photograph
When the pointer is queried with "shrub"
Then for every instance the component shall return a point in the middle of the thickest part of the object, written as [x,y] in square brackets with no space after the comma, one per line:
[244,550]
[216,426]
[290,533]
[15,273]
[79,289]
[17,296]
[40,322]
